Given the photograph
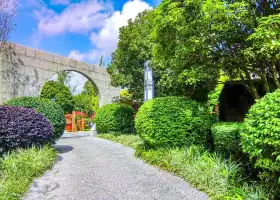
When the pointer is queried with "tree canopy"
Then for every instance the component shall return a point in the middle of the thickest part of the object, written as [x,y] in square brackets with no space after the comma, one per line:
[60,93]
[7,13]
[190,41]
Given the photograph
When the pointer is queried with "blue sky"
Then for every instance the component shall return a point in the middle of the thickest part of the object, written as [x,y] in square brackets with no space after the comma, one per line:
[80,29]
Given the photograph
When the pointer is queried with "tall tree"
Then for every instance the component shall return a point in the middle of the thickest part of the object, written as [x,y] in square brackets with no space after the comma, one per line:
[64,77]
[134,48]
[184,47]
[90,88]
[7,13]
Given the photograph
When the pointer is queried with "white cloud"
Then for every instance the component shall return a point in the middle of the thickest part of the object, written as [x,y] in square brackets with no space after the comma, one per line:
[76,55]
[105,41]
[60,2]
[77,18]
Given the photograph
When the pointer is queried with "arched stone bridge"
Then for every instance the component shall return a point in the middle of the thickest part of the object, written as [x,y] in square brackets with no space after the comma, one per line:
[24,71]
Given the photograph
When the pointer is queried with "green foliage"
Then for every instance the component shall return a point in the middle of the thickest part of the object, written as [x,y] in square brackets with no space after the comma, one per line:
[226,136]
[132,141]
[207,172]
[114,118]
[87,101]
[60,93]
[64,77]
[134,48]
[173,122]
[52,111]
[19,168]
[90,89]
[184,47]
[260,136]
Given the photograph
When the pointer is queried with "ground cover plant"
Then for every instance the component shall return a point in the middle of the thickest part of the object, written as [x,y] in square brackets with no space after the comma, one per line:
[209,172]
[132,141]
[19,168]
[52,111]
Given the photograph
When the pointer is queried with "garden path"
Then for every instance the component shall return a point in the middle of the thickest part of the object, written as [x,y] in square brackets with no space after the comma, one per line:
[97,169]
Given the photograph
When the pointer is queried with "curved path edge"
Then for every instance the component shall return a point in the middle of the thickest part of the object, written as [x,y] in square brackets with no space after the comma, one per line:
[98,169]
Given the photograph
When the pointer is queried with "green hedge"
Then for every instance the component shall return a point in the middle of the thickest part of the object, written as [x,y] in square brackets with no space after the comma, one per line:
[114,118]
[226,136]
[261,133]
[173,122]
[52,111]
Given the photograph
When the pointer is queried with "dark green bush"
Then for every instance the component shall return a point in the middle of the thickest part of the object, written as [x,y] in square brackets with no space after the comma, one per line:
[114,118]
[52,111]
[261,134]
[172,122]
[226,136]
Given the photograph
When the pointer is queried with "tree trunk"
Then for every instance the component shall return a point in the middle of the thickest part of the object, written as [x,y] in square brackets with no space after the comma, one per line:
[252,86]
[274,75]
[264,81]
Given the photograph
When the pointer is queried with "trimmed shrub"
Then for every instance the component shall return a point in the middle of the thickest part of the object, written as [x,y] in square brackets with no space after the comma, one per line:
[114,118]
[173,122]
[261,134]
[52,111]
[22,128]
[226,136]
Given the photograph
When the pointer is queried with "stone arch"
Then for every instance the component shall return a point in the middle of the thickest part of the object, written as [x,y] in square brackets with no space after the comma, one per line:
[86,76]
[23,72]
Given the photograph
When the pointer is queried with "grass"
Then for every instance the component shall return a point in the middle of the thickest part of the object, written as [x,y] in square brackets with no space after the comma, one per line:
[208,172]
[129,140]
[19,168]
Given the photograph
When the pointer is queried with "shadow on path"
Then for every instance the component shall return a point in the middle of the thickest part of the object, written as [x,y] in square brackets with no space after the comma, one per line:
[63,148]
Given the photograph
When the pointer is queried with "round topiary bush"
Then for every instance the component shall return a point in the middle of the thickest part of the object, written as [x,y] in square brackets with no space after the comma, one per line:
[22,128]
[52,111]
[173,122]
[261,134]
[114,118]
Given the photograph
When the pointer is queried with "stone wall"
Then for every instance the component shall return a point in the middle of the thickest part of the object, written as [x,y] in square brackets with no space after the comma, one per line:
[24,71]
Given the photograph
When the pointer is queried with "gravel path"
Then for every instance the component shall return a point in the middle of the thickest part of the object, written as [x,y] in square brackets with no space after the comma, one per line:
[97,169]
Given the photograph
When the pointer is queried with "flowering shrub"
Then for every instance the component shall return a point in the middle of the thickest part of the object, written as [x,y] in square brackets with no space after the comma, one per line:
[22,128]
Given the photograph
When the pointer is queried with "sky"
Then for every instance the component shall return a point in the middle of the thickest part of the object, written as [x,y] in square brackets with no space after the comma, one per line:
[83,30]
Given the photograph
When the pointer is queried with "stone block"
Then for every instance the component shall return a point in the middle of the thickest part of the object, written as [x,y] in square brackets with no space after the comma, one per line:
[44,56]
[57,59]
[20,50]
[73,63]
[65,61]
[25,60]
[30,52]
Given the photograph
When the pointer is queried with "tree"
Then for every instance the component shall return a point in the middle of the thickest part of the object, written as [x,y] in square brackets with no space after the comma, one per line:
[87,101]
[90,88]
[134,48]
[263,54]
[64,77]
[7,13]
[60,94]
